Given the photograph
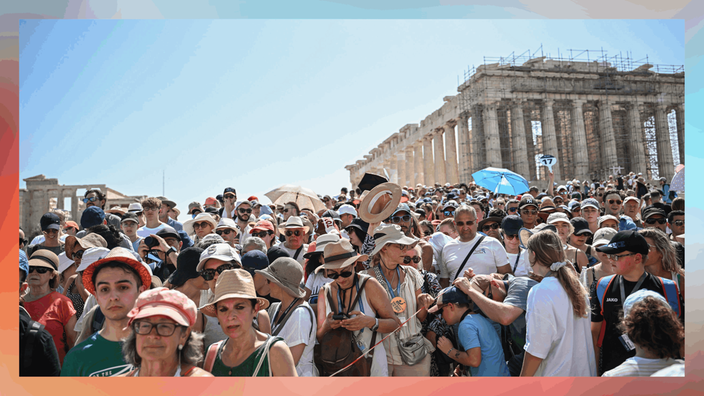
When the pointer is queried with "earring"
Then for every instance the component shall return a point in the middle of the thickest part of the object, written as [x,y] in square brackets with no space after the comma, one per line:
[180,347]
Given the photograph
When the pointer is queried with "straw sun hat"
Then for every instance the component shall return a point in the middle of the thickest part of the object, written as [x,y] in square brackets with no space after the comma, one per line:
[235,283]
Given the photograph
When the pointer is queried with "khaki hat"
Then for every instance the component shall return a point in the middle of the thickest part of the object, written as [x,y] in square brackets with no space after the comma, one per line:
[380,202]
[391,233]
[293,222]
[234,283]
[321,242]
[286,273]
[44,258]
[340,254]
[118,210]
[219,251]
[91,240]
[603,236]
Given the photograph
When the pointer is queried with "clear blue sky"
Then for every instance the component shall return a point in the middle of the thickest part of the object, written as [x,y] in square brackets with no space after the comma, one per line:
[255,104]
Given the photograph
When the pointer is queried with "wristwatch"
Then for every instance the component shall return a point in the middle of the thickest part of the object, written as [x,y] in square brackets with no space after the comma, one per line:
[171,250]
[376,325]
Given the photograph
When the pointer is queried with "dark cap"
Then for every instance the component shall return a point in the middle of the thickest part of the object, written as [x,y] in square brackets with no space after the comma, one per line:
[276,252]
[187,262]
[527,200]
[130,216]
[254,260]
[229,190]
[511,224]
[449,295]
[626,241]
[168,232]
[359,224]
[331,213]
[50,221]
[581,226]
[651,210]
[92,217]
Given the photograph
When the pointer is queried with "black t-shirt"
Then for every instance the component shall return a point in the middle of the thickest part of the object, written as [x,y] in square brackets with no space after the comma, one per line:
[613,353]
[45,359]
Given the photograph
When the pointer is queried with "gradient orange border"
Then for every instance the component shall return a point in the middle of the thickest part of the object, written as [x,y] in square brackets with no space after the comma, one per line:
[11,384]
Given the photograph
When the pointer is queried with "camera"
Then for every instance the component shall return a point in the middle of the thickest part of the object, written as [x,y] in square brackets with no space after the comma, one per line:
[151,242]
[340,316]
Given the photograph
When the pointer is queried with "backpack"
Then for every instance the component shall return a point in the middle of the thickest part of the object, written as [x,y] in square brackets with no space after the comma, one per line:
[32,332]
[669,290]
[338,347]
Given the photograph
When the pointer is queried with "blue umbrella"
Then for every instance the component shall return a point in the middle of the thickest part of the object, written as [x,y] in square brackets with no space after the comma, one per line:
[501,181]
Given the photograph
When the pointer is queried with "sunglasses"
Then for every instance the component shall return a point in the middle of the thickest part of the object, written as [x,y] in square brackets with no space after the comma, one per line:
[425,233]
[78,254]
[488,227]
[162,329]
[449,213]
[408,259]
[507,236]
[512,209]
[529,212]
[91,199]
[40,270]
[200,225]
[23,241]
[403,248]
[241,210]
[678,223]
[463,223]
[149,209]
[335,275]
[209,274]
[226,232]
[653,221]
[398,219]
[296,233]
[615,201]
[261,234]
[227,196]
[51,231]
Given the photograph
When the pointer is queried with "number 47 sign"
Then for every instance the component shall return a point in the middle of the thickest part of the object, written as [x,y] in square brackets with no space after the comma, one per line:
[547,160]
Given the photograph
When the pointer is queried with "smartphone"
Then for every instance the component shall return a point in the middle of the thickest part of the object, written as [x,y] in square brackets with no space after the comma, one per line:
[339,316]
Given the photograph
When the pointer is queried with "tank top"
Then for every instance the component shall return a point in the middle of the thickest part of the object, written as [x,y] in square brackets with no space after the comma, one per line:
[247,367]
[75,299]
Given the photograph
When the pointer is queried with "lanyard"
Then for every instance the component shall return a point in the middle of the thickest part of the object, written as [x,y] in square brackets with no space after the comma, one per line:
[339,301]
[623,293]
[283,315]
[518,256]
[398,285]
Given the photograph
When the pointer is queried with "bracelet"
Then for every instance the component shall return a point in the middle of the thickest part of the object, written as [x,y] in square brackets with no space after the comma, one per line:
[449,350]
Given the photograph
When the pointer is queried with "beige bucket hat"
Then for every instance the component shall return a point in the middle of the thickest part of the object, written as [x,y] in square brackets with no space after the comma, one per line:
[286,273]
[234,283]
[340,255]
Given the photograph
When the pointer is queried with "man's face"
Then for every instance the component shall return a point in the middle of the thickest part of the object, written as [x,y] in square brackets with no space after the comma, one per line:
[630,209]
[612,203]
[591,214]
[346,219]
[491,228]
[466,226]
[294,237]
[243,212]
[625,262]
[116,291]
[656,221]
[289,211]
[403,220]
[229,198]
[512,209]
[677,225]
[480,212]
[164,212]
[529,214]
[228,234]
[95,201]
[129,227]
[151,213]
[447,230]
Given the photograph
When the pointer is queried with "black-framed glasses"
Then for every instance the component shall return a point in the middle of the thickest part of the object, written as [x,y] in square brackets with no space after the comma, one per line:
[77,255]
[463,223]
[449,213]
[402,248]
[425,233]
[294,232]
[150,209]
[398,219]
[509,236]
[335,275]
[23,241]
[529,212]
[200,225]
[91,199]
[40,270]
[243,210]
[678,223]
[209,274]
[487,227]
[262,234]
[616,257]
[162,329]
[227,196]
[408,259]
[512,209]
[226,231]
[653,221]
[615,201]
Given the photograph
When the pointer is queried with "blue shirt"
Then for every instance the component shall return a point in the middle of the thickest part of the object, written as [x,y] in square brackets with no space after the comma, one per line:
[476,331]
[175,224]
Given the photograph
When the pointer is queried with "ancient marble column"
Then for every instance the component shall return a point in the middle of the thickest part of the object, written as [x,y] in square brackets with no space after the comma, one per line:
[666,167]
[451,168]
[401,168]
[679,113]
[549,136]
[491,135]
[410,171]
[608,138]
[390,165]
[518,137]
[463,140]
[579,140]
[428,163]
[635,134]
[477,140]
[440,176]
[418,163]
[60,200]
[74,207]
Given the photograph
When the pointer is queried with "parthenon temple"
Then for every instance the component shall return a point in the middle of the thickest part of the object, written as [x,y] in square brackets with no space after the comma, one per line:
[597,117]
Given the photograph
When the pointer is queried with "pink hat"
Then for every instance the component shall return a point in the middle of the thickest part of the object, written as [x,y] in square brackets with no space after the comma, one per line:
[262,225]
[162,301]
[210,201]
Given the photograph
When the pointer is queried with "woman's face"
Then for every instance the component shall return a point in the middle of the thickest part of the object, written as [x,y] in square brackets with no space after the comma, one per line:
[154,346]
[35,279]
[289,211]
[354,240]
[393,253]
[342,281]
[202,228]
[579,240]
[654,256]
[235,316]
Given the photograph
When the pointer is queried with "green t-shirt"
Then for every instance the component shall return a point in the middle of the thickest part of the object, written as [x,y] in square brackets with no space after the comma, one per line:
[95,357]
[246,369]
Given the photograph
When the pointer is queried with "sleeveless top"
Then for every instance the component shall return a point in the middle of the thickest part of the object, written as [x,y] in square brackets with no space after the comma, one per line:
[76,299]
[247,367]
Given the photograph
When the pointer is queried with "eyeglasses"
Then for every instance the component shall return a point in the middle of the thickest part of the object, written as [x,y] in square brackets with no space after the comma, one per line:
[51,231]
[335,275]
[530,212]
[408,259]
[463,223]
[149,209]
[449,213]
[40,270]
[226,231]
[615,201]
[488,227]
[651,246]
[398,219]
[209,274]
[261,234]
[653,221]
[425,233]
[403,248]
[296,233]
[162,329]
[507,236]
[23,241]
[227,196]
[678,223]
[615,257]
[512,209]
[201,225]
[91,199]
[287,210]
[78,254]
[242,210]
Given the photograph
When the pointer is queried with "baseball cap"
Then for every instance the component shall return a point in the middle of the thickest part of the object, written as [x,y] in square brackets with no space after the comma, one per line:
[187,262]
[220,251]
[450,204]
[651,210]
[603,236]
[168,232]
[162,301]
[557,217]
[580,225]
[449,295]
[276,252]
[229,190]
[626,241]
[135,207]
[129,216]
[590,202]
[402,208]
[527,200]
[604,218]
[640,295]
[262,225]
[71,224]
[92,216]
[51,221]
[347,209]
[254,260]
[210,201]
[630,198]
[511,224]
[332,214]
[626,223]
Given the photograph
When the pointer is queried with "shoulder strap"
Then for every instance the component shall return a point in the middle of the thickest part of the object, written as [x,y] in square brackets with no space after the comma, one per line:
[518,256]
[284,320]
[269,341]
[362,283]
[298,251]
[34,329]
[459,271]
[378,276]
[272,309]
[327,290]
[672,294]
[211,355]
[601,288]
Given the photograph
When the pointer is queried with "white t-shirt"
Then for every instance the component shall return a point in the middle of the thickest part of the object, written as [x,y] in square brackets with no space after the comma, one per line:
[40,239]
[485,260]
[145,232]
[300,329]
[555,334]
[292,252]
[523,267]
[314,283]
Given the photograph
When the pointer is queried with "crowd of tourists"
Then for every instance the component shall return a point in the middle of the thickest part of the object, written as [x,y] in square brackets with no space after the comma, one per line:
[581,279]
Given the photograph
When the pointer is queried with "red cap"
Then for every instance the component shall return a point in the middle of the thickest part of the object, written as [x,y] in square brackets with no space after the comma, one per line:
[253,198]
[262,225]
[210,201]
[73,224]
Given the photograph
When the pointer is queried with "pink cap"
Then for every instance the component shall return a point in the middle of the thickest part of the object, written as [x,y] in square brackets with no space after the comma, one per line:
[162,301]
[262,225]
[210,201]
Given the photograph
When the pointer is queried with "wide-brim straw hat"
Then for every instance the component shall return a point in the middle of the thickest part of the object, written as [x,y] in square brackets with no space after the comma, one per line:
[340,254]
[380,202]
[234,283]
[391,233]
[188,224]
[117,210]
[286,273]
[92,240]
[293,222]
[117,254]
